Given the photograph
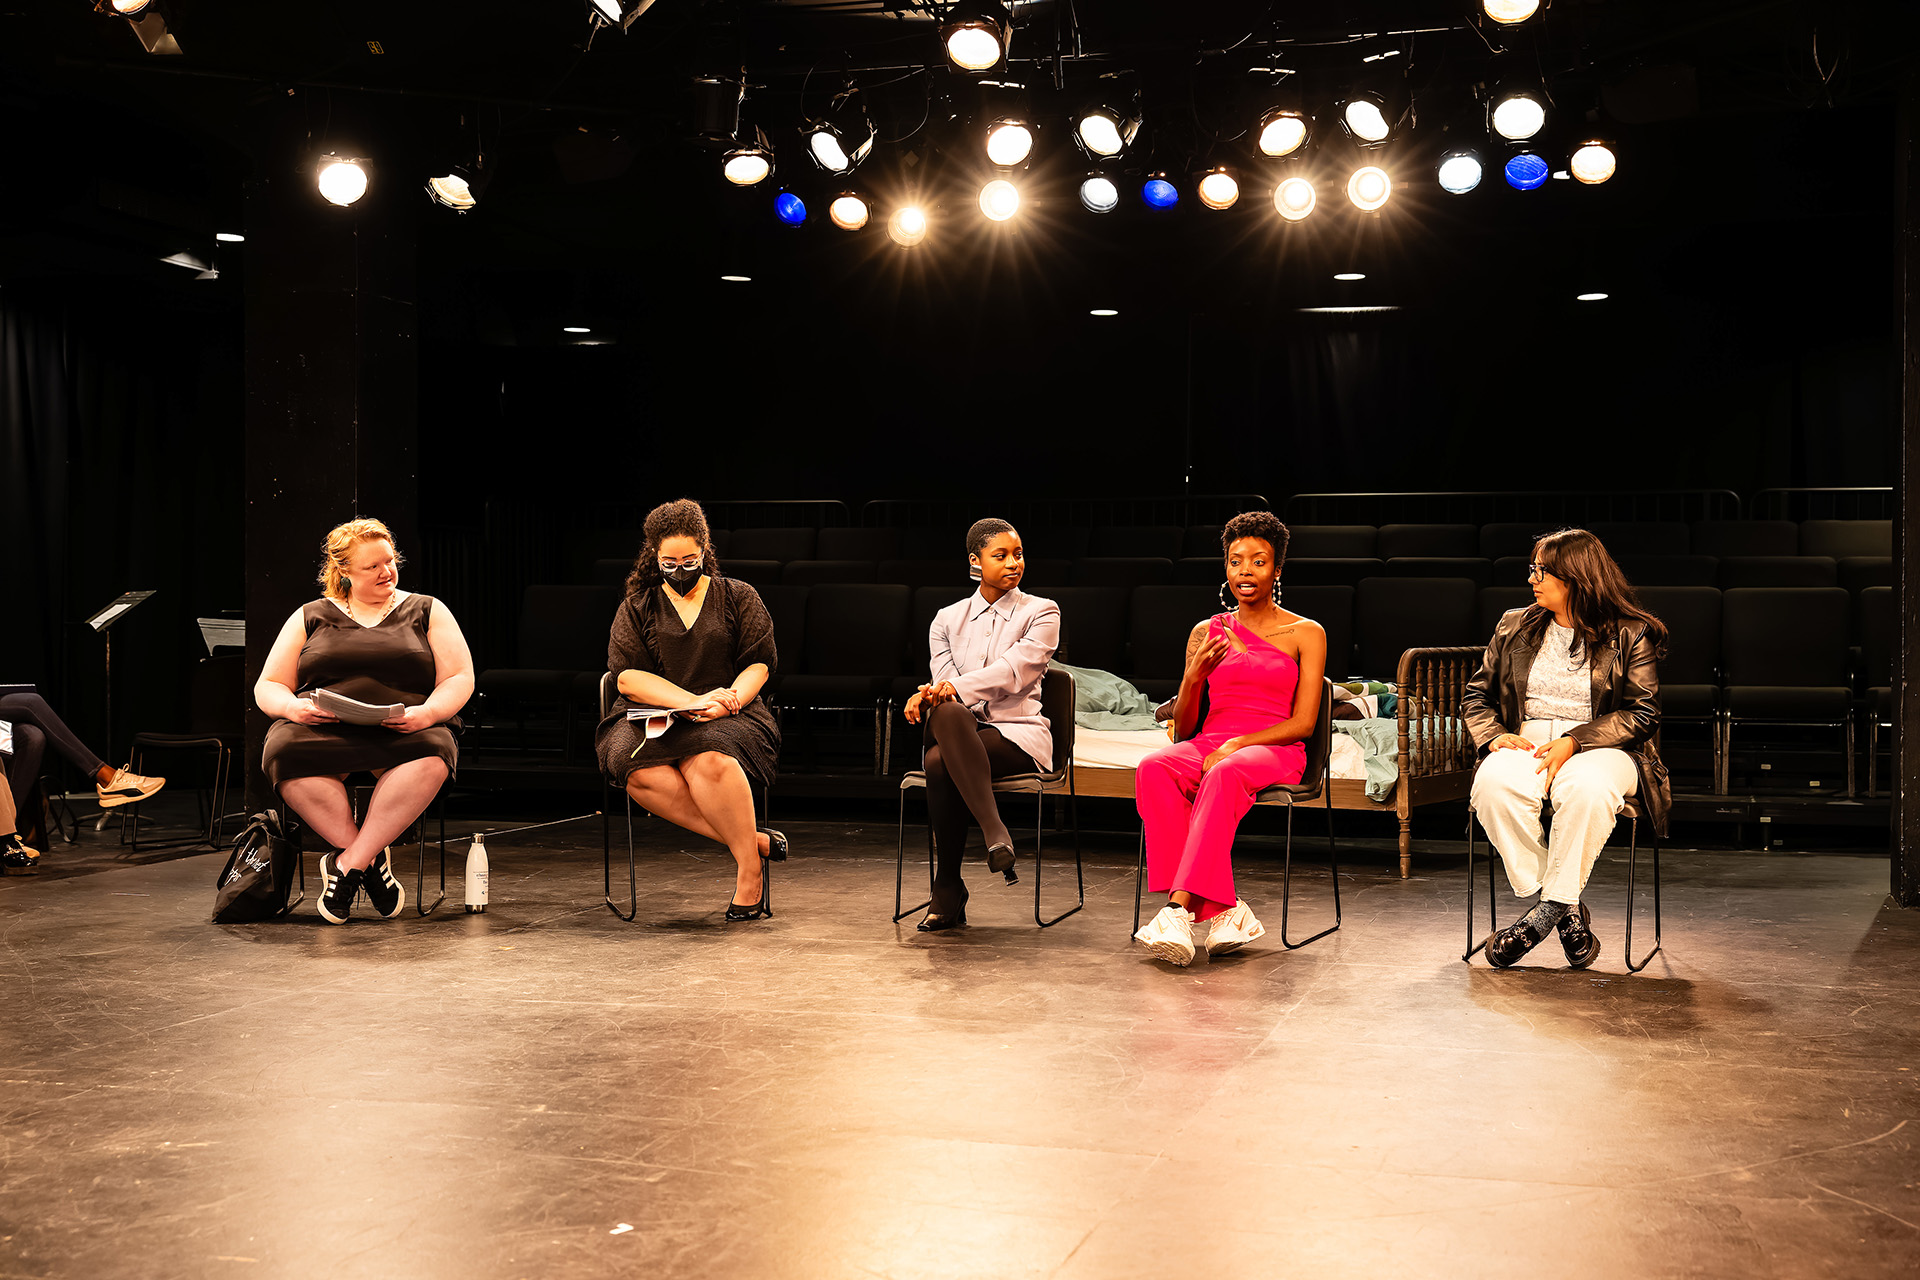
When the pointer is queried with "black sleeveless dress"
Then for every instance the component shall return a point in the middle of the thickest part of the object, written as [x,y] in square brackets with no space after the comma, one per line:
[732,632]
[385,663]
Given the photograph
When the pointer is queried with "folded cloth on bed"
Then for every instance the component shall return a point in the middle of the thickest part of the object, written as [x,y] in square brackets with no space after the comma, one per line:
[1102,700]
[1379,743]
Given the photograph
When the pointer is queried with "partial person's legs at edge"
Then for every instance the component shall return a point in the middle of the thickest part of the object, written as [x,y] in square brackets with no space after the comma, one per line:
[116,786]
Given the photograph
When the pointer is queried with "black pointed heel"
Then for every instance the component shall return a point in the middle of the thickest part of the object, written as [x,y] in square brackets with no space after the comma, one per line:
[762,909]
[933,923]
[776,845]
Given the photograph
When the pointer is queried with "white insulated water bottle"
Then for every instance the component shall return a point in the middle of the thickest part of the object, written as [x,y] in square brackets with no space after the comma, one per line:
[477,877]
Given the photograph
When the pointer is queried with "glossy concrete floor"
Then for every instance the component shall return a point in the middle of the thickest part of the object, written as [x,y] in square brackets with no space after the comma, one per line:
[544,1091]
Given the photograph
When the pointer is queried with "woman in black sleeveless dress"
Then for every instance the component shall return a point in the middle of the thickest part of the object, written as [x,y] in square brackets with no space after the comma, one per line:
[363,639]
[686,636]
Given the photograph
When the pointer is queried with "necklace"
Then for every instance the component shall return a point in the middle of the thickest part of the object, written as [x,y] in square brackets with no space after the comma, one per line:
[347,606]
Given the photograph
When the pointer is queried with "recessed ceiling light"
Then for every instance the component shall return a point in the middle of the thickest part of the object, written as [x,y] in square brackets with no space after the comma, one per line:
[1350,275]
[229,237]
[1591,297]
[1103,311]
[574,328]
[737,279]
[1345,310]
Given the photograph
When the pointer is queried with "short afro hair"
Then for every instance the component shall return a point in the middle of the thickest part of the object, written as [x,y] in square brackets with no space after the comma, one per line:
[985,531]
[1257,524]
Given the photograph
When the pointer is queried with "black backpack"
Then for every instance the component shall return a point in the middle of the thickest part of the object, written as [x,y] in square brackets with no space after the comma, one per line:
[259,873]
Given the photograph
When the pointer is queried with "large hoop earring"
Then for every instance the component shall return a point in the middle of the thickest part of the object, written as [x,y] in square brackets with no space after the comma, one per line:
[1226,596]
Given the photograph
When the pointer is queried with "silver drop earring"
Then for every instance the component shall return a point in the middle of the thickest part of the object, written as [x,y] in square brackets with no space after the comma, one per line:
[1276,593]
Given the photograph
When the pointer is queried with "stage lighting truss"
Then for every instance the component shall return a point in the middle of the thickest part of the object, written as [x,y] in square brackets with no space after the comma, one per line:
[1364,117]
[1283,132]
[1009,142]
[148,21]
[1593,162]
[999,200]
[1517,112]
[844,138]
[1218,188]
[1369,188]
[1099,193]
[1294,198]
[1509,12]
[1459,171]
[977,34]
[342,180]
[908,225]
[750,162]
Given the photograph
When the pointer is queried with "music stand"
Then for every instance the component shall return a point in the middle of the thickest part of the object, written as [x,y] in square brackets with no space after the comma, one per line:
[103,621]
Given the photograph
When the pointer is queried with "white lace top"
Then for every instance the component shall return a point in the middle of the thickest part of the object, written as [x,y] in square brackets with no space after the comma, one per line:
[1558,687]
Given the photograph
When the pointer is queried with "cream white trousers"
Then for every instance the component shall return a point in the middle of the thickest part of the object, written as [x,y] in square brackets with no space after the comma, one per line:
[1508,790]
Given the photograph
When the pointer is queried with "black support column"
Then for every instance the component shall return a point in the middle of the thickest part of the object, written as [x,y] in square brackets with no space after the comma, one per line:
[1906,525]
[332,385]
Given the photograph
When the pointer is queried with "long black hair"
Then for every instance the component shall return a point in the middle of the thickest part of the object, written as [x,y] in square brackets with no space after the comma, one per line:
[1599,597]
[682,519]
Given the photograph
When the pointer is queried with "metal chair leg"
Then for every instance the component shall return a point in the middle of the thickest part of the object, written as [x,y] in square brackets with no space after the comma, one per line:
[1286,885]
[1474,948]
[1039,825]
[420,904]
[1139,878]
[900,866]
[1852,747]
[1633,858]
[633,879]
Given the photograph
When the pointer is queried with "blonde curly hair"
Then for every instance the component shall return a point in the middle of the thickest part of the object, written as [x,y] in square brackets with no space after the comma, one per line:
[338,554]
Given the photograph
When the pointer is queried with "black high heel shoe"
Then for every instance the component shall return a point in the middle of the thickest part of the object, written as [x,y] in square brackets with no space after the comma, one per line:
[756,910]
[776,845]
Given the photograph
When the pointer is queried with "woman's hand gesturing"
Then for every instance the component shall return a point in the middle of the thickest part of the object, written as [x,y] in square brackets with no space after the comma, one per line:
[1210,653]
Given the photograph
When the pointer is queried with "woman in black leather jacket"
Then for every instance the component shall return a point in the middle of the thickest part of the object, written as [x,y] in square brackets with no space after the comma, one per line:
[1566,707]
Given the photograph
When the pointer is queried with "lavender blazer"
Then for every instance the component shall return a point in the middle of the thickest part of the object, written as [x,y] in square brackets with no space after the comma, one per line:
[995,655]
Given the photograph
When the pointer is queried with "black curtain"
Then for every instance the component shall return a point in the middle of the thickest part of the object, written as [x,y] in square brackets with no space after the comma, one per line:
[121,432]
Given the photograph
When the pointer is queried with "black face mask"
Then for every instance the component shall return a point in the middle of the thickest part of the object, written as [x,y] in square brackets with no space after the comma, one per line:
[683,580]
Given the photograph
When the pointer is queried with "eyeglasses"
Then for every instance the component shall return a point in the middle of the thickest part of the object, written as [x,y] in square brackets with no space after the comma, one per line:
[1535,572]
[691,562]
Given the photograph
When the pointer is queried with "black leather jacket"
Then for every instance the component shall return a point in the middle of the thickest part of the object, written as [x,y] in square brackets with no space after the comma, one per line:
[1626,705]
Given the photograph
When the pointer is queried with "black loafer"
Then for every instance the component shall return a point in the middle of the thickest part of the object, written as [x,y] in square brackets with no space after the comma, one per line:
[1576,937]
[1507,947]
[932,923]
[1000,858]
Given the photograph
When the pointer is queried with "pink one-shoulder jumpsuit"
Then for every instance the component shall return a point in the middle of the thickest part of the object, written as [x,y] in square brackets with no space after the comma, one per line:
[1190,816]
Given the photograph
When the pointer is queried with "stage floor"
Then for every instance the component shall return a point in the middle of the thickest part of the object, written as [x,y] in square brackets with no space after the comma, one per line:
[544,1091]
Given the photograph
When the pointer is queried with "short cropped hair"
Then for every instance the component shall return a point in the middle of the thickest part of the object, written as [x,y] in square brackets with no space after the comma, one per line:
[1257,524]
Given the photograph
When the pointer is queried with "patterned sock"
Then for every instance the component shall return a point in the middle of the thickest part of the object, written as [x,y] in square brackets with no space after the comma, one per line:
[1544,916]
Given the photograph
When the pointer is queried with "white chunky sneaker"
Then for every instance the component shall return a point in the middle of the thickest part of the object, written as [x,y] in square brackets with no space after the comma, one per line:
[1231,930]
[1169,935]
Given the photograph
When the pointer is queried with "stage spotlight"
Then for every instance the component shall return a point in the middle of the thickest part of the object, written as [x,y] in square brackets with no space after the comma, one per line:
[1459,172]
[1219,189]
[1103,311]
[716,108]
[848,212]
[1009,143]
[841,141]
[341,181]
[1294,199]
[1098,194]
[748,162]
[999,200]
[453,191]
[1364,117]
[1158,192]
[977,33]
[1508,12]
[1518,114]
[1369,188]
[1525,171]
[908,226]
[1107,122]
[790,209]
[148,22]
[1282,132]
[1349,275]
[131,8]
[1592,163]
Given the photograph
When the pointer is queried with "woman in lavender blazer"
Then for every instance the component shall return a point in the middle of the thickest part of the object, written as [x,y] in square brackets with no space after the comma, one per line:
[981,710]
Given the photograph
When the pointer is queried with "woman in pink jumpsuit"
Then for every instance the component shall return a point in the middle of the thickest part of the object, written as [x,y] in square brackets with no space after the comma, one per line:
[1261,668]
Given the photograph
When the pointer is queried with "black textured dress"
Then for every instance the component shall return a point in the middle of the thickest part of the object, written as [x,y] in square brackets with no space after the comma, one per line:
[732,632]
[388,662]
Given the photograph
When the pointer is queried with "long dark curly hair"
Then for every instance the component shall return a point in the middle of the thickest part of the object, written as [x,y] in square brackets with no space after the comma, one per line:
[1599,596]
[682,519]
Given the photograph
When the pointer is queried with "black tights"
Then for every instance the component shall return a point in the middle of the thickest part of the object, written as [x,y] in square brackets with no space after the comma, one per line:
[963,757]
[35,724]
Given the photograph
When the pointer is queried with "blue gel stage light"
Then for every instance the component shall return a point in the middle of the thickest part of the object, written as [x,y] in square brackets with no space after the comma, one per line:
[1526,171]
[790,209]
[1160,193]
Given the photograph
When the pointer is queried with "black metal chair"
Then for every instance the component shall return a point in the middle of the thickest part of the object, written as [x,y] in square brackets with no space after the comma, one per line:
[1630,810]
[1312,786]
[217,697]
[763,806]
[1056,704]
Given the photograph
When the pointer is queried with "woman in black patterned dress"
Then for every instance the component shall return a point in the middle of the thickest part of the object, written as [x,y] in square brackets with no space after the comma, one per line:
[688,636]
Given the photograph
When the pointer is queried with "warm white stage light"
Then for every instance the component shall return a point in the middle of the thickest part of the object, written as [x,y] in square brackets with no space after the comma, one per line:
[1219,190]
[1103,311]
[976,34]
[574,328]
[342,181]
[1518,116]
[1294,199]
[746,168]
[1460,173]
[452,191]
[999,200]
[1593,163]
[1365,120]
[1508,12]
[1369,188]
[973,49]
[737,279]
[1101,135]
[908,226]
[1098,194]
[848,212]
[131,8]
[1009,144]
[1282,133]
[828,151]
[1349,275]
[609,9]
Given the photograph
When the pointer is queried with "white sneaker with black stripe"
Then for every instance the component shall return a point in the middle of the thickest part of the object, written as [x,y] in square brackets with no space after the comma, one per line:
[385,894]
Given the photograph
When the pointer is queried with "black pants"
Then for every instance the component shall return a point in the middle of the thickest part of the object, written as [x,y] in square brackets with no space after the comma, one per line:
[28,712]
[963,756]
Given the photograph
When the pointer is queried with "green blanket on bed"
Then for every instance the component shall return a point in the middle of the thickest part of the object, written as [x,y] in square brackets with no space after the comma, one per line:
[1102,700]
